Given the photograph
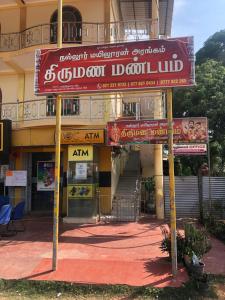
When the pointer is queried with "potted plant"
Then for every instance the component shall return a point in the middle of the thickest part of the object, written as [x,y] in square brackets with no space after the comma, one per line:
[190,248]
[197,266]
[187,256]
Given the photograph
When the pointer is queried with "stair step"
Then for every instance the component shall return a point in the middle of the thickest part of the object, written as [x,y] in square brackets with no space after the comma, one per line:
[127,181]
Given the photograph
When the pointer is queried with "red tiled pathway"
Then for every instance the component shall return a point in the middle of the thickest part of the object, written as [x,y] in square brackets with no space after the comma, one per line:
[124,253]
[215,259]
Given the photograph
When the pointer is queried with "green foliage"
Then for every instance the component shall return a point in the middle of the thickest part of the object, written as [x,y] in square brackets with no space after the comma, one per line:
[206,99]
[27,289]
[150,184]
[195,241]
[166,245]
[215,227]
[214,48]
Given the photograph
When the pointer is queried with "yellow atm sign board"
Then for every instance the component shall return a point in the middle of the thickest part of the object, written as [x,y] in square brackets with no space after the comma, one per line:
[82,136]
[80,153]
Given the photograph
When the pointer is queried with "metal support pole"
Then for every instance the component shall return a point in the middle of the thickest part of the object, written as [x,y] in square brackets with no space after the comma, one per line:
[172,183]
[57,154]
[209,177]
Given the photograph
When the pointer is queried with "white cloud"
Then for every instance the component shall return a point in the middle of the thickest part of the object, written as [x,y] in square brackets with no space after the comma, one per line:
[179,5]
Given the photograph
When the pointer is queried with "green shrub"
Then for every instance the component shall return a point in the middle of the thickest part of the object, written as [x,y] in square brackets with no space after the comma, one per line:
[166,245]
[195,241]
[215,227]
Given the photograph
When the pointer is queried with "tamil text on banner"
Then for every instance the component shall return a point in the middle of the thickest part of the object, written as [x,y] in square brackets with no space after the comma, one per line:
[122,66]
[190,149]
[186,130]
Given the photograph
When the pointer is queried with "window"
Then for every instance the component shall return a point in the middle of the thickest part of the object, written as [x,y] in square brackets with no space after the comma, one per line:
[70,106]
[71,27]
[129,109]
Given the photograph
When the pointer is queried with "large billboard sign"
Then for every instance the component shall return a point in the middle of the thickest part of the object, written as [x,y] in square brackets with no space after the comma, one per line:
[113,67]
[186,130]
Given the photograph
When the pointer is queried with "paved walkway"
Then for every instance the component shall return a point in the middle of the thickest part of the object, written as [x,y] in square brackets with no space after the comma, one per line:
[215,259]
[123,253]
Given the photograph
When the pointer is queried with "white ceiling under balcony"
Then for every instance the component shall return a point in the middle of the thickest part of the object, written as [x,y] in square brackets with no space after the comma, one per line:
[142,9]
[135,9]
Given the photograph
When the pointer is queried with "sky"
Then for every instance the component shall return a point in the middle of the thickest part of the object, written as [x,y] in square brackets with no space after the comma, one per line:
[198,18]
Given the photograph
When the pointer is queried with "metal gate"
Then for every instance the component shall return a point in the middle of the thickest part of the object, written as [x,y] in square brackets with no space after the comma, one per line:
[213,196]
[125,208]
[186,196]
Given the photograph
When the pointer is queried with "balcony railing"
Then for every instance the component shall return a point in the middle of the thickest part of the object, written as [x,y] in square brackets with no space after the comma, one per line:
[84,109]
[87,33]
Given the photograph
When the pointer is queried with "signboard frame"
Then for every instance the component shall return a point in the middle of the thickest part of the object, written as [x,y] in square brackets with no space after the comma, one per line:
[16,178]
[82,136]
[45,176]
[80,153]
[189,149]
[152,64]
[156,131]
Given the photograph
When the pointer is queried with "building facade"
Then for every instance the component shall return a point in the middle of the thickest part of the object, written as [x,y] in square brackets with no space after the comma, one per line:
[90,170]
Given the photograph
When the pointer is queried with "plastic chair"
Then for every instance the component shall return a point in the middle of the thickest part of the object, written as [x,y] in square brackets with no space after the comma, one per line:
[5,216]
[17,215]
[4,200]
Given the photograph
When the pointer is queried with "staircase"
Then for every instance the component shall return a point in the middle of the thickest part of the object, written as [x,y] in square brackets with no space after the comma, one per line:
[125,204]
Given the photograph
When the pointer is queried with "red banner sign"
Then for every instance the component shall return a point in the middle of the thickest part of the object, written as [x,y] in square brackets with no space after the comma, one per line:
[122,66]
[197,149]
[186,130]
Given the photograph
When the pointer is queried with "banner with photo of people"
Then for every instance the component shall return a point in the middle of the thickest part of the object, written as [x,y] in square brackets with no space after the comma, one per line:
[186,130]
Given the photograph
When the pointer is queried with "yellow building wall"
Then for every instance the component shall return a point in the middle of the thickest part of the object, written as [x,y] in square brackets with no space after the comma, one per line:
[41,14]
[105,158]
[29,87]
[33,137]
[12,14]
[9,87]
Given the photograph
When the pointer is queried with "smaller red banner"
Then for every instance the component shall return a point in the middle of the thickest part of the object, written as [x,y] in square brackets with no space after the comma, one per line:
[197,149]
[186,130]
